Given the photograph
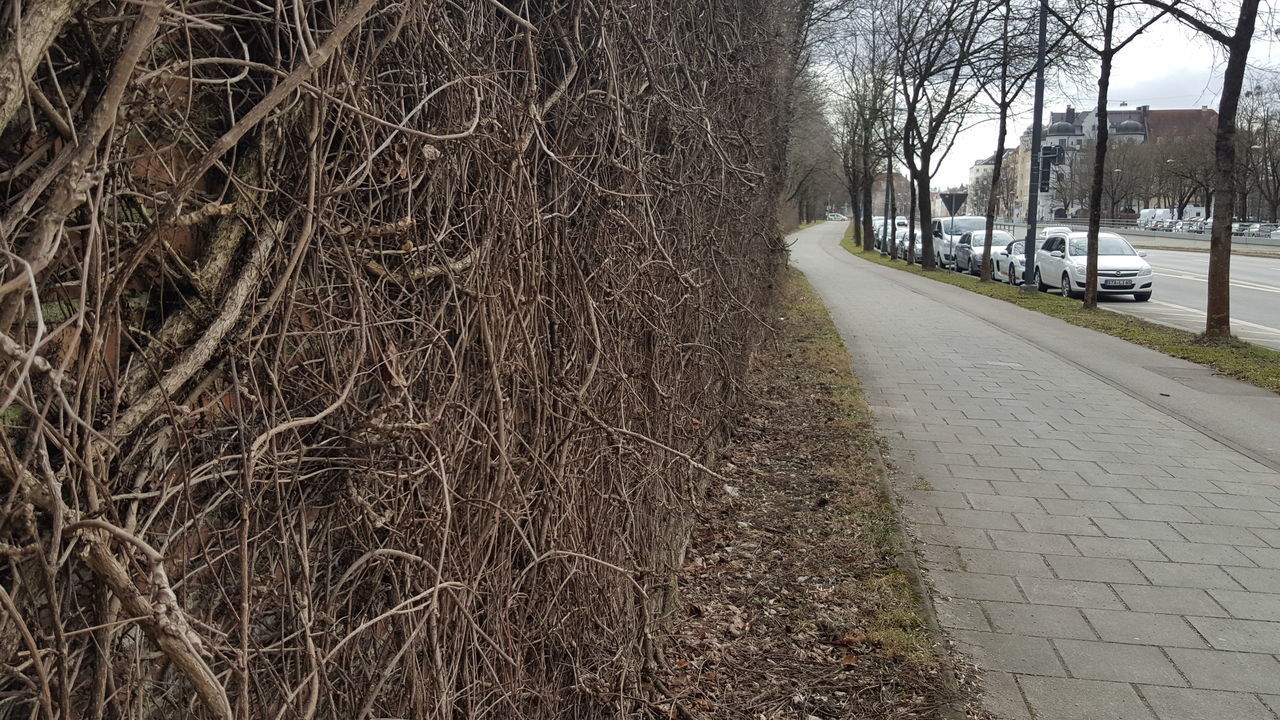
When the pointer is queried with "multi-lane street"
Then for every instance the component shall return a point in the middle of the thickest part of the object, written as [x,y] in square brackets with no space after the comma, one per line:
[1181,283]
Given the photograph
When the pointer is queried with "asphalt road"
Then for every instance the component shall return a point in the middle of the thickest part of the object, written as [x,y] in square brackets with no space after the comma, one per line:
[1179,296]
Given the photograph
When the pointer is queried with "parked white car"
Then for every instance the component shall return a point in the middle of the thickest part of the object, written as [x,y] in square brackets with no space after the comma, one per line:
[946,235]
[1007,263]
[838,217]
[1060,264]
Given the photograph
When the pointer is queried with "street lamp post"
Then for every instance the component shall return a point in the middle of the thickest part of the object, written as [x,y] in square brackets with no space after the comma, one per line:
[1033,194]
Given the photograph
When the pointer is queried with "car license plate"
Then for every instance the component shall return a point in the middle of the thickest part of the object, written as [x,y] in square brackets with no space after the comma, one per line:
[1117,283]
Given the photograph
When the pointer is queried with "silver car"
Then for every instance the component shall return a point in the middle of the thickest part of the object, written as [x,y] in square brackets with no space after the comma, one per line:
[972,245]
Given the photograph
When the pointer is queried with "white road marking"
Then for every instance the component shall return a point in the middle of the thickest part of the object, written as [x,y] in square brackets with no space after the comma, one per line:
[1205,279]
[1234,321]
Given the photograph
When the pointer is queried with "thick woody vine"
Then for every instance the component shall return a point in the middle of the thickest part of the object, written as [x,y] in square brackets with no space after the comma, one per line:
[358,357]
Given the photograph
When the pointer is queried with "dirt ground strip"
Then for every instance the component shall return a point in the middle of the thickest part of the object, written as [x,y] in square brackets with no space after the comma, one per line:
[795,605]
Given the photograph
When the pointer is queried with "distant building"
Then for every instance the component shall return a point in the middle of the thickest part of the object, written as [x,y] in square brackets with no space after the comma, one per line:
[1070,131]
[901,194]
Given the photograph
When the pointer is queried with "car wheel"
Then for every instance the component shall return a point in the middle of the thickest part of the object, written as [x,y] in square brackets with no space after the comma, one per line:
[1040,283]
[1142,297]
[976,272]
[1011,276]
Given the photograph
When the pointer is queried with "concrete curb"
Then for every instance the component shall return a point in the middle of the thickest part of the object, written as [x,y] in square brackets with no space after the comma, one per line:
[908,563]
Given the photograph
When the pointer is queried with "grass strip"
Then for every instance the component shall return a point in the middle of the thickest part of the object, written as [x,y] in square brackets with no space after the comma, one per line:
[794,594]
[1242,360]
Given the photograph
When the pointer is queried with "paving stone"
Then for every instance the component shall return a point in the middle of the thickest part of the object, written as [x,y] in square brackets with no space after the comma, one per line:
[1130,482]
[1057,477]
[1272,537]
[941,557]
[1145,529]
[960,614]
[1241,501]
[1262,580]
[1186,484]
[1190,704]
[1032,542]
[917,515]
[1205,553]
[979,519]
[1123,548]
[940,480]
[1012,653]
[1172,497]
[1070,699]
[1186,575]
[1248,605]
[982,473]
[1264,557]
[952,536]
[1028,489]
[1243,635]
[1231,518]
[1040,620]
[1221,670]
[1176,601]
[1001,461]
[1060,524]
[1003,698]
[1074,593]
[1149,511]
[1006,503]
[1000,562]
[936,498]
[1218,534]
[1117,661]
[1139,628]
[1081,508]
[1105,494]
[975,586]
[1108,570]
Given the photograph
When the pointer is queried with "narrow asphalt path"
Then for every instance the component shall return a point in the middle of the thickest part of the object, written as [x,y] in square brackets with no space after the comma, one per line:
[1100,523]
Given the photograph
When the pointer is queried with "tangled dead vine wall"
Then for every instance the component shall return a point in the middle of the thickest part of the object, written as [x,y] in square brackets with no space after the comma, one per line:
[358,355]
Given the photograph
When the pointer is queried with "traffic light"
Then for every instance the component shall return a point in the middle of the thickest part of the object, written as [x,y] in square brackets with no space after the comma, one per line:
[1048,158]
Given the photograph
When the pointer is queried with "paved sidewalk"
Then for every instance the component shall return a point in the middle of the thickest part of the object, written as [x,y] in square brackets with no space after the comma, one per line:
[1100,558]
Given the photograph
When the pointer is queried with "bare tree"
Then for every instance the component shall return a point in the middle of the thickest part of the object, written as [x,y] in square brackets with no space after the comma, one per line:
[936,42]
[1004,75]
[1236,43]
[1103,16]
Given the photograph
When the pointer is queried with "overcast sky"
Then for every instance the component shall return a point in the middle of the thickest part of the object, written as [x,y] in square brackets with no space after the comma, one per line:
[1168,67]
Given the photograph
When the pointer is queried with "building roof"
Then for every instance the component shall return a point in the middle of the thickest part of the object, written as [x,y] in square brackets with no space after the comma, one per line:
[1181,123]
[1130,127]
[1062,127]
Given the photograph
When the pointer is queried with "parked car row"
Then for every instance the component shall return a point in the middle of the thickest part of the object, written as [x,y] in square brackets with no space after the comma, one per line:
[1200,226]
[1197,225]
[1061,264]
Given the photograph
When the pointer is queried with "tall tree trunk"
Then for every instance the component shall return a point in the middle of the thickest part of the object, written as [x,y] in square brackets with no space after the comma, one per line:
[911,218]
[1218,312]
[868,230]
[1099,160]
[927,261]
[991,196]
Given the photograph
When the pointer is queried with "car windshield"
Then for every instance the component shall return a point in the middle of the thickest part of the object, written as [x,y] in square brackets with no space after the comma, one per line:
[998,238]
[1107,245]
[955,226]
